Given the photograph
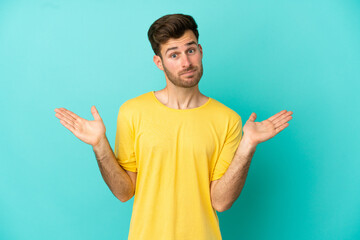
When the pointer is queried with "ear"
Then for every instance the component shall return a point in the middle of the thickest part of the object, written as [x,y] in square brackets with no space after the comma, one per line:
[201,51]
[157,60]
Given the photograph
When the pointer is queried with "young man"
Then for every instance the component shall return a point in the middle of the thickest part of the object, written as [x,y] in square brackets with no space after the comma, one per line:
[181,153]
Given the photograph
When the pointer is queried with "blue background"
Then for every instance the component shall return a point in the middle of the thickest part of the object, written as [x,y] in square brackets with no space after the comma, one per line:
[259,56]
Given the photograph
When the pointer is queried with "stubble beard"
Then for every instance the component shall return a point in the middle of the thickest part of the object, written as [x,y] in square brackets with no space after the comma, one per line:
[184,81]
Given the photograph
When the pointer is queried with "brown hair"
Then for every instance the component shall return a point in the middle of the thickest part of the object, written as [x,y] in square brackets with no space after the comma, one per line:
[170,26]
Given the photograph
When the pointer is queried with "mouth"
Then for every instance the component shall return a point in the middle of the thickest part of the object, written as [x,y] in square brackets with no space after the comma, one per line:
[189,72]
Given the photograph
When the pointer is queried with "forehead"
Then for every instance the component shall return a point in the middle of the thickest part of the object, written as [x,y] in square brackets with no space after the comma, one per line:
[187,37]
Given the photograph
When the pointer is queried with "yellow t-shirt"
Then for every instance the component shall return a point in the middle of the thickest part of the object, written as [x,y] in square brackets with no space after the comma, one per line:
[176,154]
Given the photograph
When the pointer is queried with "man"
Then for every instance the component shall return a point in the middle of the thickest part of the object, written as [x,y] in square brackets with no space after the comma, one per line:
[181,153]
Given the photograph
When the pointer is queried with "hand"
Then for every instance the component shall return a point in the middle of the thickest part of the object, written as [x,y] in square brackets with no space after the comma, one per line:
[90,132]
[258,132]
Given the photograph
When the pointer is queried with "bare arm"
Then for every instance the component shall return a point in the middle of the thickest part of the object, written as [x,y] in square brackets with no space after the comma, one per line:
[227,189]
[121,184]
[117,179]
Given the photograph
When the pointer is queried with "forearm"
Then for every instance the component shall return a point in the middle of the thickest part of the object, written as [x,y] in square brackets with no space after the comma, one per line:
[229,186]
[113,174]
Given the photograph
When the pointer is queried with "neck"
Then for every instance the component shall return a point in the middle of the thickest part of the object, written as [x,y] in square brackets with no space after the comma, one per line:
[181,98]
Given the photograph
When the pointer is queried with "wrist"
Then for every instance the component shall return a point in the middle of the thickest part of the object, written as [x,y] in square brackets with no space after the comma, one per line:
[248,143]
[245,151]
[100,142]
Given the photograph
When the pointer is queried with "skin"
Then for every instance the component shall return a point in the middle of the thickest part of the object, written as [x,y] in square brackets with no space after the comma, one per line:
[181,92]
[227,189]
[120,182]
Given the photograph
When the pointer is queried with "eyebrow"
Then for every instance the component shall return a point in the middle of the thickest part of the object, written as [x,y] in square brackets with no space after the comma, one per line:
[187,44]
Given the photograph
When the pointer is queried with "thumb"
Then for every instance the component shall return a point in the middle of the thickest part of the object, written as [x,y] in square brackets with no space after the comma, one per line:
[252,117]
[95,113]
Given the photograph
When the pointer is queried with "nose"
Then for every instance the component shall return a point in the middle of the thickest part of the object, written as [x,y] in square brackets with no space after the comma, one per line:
[185,61]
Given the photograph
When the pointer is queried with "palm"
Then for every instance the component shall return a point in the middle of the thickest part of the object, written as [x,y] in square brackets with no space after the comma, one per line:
[259,132]
[87,131]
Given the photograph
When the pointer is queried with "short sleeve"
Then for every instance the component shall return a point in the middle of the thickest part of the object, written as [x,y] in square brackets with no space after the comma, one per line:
[227,153]
[124,141]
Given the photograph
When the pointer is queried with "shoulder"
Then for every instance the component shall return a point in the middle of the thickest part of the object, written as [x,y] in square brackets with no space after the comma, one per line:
[135,104]
[225,111]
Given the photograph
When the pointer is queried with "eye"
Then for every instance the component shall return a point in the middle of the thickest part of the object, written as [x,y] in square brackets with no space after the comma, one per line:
[192,50]
[173,55]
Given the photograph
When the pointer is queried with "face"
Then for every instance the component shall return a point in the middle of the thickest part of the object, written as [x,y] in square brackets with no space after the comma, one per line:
[181,60]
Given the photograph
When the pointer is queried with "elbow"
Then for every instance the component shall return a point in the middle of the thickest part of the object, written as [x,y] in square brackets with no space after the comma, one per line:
[221,207]
[217,208]
[124,197]
[225,208]
[124,200]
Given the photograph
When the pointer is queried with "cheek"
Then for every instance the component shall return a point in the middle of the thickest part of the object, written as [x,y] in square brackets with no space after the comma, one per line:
[171,66]
[196,59]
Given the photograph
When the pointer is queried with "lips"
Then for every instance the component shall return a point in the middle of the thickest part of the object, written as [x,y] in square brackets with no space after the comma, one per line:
[188,72]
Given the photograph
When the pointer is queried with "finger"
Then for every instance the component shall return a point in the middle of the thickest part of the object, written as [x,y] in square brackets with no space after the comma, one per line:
[282,127]
[70,116]
[68,126]
[282,117]
[272,118]
[70,122]
[95,113]
[70,113]
[62,116]
[252,117]
[65,117]
[282,121]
